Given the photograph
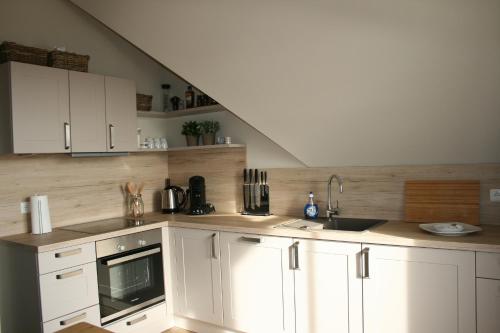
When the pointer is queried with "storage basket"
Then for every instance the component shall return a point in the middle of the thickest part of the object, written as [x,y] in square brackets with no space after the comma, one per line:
[10,51]
[144,102]
[68,60]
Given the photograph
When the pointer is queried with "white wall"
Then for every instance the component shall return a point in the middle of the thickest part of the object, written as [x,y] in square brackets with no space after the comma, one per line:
[337,82]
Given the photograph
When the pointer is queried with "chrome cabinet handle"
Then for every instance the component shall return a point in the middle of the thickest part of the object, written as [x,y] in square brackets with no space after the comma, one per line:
[137,320]
[256,240]
[73,320]
[68,253]
[112,262]
[111,136]
[214,253]
[67,136]
[294,256]
[69,274]
[365,263]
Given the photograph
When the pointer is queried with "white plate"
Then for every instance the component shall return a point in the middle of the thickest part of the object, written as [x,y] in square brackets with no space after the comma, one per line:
[468,229]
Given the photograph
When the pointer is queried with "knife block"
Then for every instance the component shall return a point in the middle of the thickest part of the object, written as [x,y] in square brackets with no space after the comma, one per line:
[256,198]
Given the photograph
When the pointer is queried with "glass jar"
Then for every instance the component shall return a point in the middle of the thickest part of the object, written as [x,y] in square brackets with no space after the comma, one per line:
[136,206]
[166,97]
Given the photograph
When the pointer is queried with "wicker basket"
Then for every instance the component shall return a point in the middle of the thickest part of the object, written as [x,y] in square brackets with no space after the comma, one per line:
[144,102]
[68,60]
[10,51]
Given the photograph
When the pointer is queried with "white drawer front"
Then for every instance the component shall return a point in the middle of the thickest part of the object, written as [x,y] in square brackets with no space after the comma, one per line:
[488,265]
[66,257]
[488,306]
[90,315]
[68,290]
[153,320]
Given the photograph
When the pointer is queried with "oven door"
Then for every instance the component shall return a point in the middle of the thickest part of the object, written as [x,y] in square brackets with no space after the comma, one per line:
[130,281]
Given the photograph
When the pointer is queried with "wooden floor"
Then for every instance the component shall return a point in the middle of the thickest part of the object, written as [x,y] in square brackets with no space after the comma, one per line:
[177,330]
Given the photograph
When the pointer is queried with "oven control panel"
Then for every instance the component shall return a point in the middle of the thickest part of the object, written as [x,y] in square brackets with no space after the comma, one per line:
[120,244]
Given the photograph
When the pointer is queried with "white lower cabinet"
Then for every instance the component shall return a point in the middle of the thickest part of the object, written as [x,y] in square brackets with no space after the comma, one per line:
[328,287]
[90,315]
[257,283]
[197,289]
[152,320]
[417,290]
[488,306]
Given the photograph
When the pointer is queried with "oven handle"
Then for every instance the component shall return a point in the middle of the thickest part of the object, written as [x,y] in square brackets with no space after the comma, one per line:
[120,260]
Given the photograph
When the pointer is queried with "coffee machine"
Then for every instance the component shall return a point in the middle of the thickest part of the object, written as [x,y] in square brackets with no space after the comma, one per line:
[197,201]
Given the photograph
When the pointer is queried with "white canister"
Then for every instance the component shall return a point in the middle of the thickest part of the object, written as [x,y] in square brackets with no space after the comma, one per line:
[40,215]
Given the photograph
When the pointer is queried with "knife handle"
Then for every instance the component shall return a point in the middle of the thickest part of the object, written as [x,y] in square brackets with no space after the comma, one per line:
[245,176]
[265,177]
[256,176]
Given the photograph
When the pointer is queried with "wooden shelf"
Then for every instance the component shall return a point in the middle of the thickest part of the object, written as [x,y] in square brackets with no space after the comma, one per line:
[232,145]
[181,113]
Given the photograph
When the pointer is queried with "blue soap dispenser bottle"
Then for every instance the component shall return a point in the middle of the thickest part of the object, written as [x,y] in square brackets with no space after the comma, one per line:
[311,210]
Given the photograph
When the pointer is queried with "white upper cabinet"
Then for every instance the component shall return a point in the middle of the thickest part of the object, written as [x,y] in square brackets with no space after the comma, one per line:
[197,289]
[328,287]
[51,110]
[416,290]
[39,108]
[88,112]
[257,283]
[121,115]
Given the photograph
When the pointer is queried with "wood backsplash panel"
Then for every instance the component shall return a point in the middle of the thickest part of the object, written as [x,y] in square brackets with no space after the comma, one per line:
[79,189]
[222,169]
[376,192]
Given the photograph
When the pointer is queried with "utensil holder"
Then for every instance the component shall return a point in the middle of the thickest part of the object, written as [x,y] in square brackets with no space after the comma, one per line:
[256,194]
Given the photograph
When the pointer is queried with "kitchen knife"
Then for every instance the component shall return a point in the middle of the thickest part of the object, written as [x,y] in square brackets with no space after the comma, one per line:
[245,190]
[257,189]
[250,182]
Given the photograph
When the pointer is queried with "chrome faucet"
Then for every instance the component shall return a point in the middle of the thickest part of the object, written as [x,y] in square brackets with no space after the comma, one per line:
[329,209]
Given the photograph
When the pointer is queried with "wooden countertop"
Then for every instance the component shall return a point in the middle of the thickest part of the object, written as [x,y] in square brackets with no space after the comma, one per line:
[83,328]
[391,233]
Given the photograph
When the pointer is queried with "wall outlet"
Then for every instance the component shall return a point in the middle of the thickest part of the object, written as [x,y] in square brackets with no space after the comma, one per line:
[495,195]
[25,207]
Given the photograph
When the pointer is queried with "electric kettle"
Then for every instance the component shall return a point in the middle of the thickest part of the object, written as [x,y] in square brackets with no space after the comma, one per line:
[170,201]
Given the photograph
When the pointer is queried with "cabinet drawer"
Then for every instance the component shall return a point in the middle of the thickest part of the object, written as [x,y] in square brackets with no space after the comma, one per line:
[488,306]
[90,315]
[68,290]
[488,265]
[153,320]
[66,257]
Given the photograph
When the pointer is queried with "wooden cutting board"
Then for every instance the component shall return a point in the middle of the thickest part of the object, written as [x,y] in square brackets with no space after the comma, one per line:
[442,201]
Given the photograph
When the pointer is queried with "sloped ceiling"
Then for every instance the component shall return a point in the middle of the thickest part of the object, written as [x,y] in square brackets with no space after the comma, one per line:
[336,82]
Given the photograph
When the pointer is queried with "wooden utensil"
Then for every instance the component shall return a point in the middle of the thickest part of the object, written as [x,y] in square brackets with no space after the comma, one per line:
[442,201]
[141,187]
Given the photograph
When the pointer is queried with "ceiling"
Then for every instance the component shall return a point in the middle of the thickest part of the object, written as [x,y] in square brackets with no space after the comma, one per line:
[336,82]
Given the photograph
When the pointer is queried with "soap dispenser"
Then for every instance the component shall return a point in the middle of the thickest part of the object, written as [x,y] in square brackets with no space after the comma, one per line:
[311,210]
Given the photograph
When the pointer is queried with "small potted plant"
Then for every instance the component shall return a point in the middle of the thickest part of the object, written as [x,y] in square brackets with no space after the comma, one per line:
[209,128]
[192,131]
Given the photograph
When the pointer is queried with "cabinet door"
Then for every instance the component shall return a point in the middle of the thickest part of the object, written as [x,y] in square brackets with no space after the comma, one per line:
[328,287]
[121,115]
[196,263]
[415,290]
[257,283]
[88,112]
[40,109]
[488,306]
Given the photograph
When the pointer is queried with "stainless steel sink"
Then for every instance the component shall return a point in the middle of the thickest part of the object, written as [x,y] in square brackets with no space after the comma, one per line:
[348,224]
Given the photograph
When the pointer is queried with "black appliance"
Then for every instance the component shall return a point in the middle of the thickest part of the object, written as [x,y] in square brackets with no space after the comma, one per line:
[129,274]
[197,201]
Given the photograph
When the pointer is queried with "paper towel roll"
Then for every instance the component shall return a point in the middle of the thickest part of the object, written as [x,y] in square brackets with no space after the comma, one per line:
[40,215]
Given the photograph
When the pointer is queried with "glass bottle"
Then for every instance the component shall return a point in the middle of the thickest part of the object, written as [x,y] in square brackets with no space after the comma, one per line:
[136,206]
[166,97]
[311,210]
[189,97]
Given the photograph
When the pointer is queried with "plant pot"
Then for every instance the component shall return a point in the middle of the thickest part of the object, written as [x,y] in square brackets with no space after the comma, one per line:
[208,139]
[191,140]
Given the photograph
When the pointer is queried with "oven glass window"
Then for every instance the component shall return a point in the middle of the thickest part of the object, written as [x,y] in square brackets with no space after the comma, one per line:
[130,281]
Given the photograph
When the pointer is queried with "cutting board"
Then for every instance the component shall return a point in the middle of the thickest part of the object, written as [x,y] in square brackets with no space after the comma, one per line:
[442,201]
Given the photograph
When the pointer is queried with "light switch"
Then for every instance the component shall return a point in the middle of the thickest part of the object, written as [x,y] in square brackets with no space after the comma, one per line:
[495,195]
[25,207]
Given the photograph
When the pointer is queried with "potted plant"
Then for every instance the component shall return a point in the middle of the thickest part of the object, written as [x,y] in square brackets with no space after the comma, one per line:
[209,128]
[192,131]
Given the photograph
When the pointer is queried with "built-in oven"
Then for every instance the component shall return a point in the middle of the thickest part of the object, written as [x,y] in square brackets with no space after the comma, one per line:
[130,274]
